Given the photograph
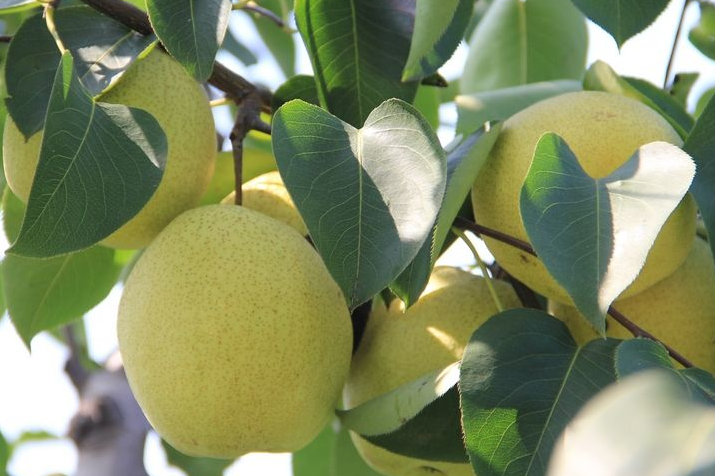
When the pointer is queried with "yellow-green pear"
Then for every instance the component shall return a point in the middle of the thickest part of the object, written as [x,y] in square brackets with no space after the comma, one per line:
[235,338]
[400,346]
[159,85]
[268,194]
[679,310]
[603,130]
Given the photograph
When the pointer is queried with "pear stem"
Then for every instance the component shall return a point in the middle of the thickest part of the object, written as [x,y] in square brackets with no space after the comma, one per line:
[632,327]
[482,266]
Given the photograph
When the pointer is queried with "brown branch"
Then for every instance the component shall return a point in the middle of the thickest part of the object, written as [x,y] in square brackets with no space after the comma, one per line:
[5,38]
[264,12]
[671,58]
[632,327]
[248,118]
[234,85]
[640,332]
[74,368]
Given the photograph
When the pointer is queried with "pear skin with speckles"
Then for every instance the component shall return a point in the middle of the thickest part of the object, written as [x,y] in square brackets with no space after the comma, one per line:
[160,86]
[400,346]
[603,130]
[234,336]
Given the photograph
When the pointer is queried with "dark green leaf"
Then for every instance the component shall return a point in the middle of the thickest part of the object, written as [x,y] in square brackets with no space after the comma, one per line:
[358,50]
[238,49]
[601,77]
[279,42]
[192,32]
[593,235]
[700,144]
[702,36]
[300,86]
[368,196]
[499,104]
[645,425]
[703,101]
[44,293]
[636,355]
[195,466]
[99,164]
[521,42]
[12,6]
[419,419]
[622,19]
[681,87]
[103,49]
[439,27]
[523,378]
[464,162]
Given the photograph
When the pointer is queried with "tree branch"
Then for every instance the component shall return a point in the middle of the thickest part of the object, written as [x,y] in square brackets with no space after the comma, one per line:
[234,85]
[632,327]
[671,58]
[248,118]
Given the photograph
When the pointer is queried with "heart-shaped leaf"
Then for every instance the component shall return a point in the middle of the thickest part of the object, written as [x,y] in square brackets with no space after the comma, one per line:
[191,31]
[593,235]
[369,196]
[439,27]
[464,162]
[519,42]
[420,419]
[347,42]
[99,165]
[648,424]
[622,19]
[103,49]
[522,380]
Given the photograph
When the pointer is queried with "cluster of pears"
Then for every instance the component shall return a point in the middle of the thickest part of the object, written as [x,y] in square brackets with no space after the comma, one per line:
[673,297]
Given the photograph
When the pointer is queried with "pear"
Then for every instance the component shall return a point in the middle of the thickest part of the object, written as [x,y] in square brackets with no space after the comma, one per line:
[400,346]
[235,338]
[160,86]
[603,130]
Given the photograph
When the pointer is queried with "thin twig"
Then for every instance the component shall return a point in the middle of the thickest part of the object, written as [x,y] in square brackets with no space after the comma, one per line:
[671,59]
[5,38]
[264,12]
[633,328]
[640,332]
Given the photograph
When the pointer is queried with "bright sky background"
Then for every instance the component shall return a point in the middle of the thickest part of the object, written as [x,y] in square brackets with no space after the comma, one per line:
[35,393]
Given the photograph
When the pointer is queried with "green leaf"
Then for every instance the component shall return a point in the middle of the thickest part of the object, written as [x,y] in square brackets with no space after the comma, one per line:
[702,36]
[99,164]
[601,77]
[521,42]
[13,6]
[522,379]
[331,453]
[637,355]
[646,424]
[358,50]
[622,19]
[368,196]
[439,27]
[238,49]
[427,101]
[681,87]
[703,102]
[300,86]
[44,293]
[191,31]
[464,162]
[593,234]
[195,466]
[499,104]
[700,144]
[13,210]
[279,42]
[4,455]
[419,419]
[103,49]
